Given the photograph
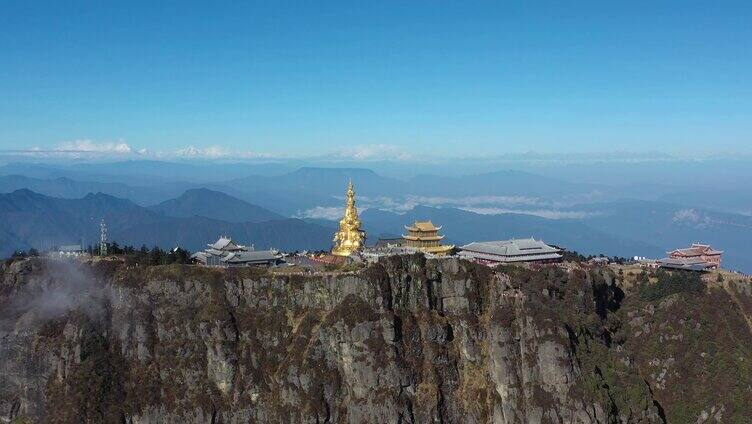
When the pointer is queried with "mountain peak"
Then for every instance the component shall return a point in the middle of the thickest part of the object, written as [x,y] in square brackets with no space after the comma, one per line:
[216,205]
[203,192]
[25,192]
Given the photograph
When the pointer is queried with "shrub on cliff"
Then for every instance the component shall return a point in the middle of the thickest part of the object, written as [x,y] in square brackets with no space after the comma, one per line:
[671,283]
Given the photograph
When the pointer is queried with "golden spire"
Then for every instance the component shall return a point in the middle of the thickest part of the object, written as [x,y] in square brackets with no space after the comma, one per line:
[350,238]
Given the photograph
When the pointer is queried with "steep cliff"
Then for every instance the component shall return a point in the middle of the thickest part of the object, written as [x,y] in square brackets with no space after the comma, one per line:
[406,340]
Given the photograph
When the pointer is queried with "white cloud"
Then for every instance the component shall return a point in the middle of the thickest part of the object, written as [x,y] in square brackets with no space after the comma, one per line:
[543,213]
[90,146]
[372,152]
[485,205]
[365,153]
[332,213]
[690,215]
[694,217]
[476,200]
[356,153]
[82,148]
[211,152]
[407,203]
[218,152]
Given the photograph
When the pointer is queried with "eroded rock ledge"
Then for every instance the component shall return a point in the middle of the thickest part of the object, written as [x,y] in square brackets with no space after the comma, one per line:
[403,341]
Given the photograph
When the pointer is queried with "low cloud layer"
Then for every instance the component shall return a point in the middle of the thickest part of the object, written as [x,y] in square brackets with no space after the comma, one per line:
[331,213]
[61,288]
[85,148]
[485,205]
[543,213]
[90,146]
[373,152]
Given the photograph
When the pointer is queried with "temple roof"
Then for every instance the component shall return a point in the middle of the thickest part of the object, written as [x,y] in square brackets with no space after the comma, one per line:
[426,238]
[437,249]
[513,247]
[225,243]
[386,242]
[692,264]
[240,256]
[506,259]
[252,256]
[424,226]
[696,249]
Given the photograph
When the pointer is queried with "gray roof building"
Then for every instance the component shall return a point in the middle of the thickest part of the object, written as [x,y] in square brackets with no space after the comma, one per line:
[70,248]
[225,252]
[226,244]
[389,242]
[67,251]
[687,264]
[254,257]
[507,251]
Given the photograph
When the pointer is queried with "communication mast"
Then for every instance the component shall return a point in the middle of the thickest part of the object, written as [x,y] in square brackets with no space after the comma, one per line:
[103,238]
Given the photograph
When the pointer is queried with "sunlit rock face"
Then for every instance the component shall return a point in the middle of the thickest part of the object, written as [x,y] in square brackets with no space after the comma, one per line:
[402,341]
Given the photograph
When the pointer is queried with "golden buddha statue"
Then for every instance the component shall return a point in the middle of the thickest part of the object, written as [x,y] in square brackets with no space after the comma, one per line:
[350,238]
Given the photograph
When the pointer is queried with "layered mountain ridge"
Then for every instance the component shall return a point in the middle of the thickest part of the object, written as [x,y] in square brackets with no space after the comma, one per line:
[30,219]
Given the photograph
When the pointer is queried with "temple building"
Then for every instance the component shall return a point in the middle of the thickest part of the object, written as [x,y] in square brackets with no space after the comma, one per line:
[226,253]
[350,238]
[424,236]
[698,251]
[68,251]
[507,251]
[697,257]
[388,243]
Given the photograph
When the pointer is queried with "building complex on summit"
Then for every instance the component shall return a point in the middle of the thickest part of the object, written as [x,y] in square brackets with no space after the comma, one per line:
[423,236]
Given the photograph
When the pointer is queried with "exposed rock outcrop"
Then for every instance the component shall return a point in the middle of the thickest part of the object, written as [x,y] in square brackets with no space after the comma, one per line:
[403,341]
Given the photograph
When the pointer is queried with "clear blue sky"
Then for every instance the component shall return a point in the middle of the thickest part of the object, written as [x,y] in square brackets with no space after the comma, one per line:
[448,77]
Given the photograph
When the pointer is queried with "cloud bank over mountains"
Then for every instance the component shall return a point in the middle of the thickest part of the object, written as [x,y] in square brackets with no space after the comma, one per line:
[87,148]
[484,205]
[120,149]
[117,148]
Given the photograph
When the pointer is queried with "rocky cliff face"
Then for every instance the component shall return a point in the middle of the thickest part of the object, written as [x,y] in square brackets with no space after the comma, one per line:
[403,341]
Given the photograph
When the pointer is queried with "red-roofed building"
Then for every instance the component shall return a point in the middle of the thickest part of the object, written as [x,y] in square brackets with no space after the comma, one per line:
[698,252]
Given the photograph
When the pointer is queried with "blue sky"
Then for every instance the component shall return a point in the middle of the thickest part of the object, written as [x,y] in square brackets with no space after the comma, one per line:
[376,79]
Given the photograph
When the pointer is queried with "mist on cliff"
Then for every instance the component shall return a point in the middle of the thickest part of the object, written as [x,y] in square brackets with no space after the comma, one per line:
[60,288]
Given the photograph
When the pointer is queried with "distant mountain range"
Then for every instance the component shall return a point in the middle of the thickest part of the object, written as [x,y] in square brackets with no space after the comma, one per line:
[68,188]
[287,193]
[189,204]
[29,219]
[144,172]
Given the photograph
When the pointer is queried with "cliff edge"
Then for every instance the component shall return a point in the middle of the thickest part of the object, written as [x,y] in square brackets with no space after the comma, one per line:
[407,340]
